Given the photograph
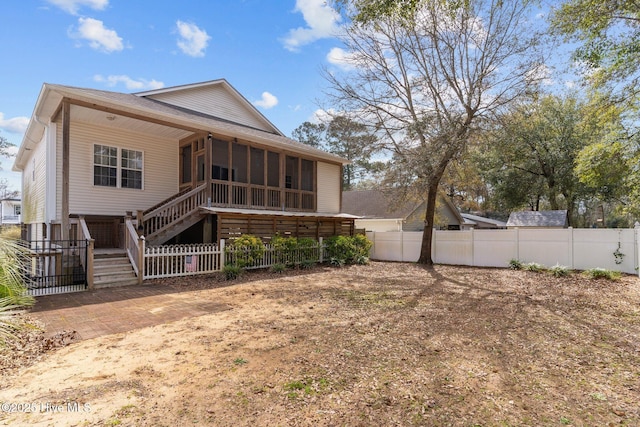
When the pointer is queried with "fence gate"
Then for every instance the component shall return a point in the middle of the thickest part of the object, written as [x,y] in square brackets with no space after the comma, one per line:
[55,266]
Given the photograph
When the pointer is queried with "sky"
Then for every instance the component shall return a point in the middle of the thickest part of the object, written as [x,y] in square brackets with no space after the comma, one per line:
[271,51]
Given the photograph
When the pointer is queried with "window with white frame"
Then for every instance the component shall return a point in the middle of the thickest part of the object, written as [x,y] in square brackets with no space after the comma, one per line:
[131,169]
[114,167]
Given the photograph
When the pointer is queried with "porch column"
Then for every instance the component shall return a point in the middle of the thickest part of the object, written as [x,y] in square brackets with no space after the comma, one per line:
[66,121]
[208,165]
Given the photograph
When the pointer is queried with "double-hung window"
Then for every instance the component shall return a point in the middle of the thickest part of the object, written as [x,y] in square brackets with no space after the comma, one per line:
[115,167]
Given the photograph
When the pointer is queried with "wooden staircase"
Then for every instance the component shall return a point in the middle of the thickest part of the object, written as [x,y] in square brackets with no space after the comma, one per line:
[112,268]
[173,216]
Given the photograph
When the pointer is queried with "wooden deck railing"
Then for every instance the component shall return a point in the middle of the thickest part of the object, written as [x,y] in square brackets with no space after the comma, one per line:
[243,195]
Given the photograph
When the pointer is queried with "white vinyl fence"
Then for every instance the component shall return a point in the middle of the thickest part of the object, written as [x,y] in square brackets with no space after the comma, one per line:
[575,248]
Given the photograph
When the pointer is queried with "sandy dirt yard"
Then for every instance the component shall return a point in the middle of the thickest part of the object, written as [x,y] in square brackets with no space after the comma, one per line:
[387,344]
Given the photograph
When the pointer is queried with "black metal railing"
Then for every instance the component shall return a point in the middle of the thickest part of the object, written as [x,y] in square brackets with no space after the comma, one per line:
[54,266]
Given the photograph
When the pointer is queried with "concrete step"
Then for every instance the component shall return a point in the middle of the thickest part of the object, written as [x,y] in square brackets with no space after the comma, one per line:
[111,264]
[113,270]
[111,283]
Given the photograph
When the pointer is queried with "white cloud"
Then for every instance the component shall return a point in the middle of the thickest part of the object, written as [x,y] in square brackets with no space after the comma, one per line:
[341,58]
[99,37]
[131,84]
[72,6]
[322,22]
[322,116]
[193,41]
[267,101]
[14,125]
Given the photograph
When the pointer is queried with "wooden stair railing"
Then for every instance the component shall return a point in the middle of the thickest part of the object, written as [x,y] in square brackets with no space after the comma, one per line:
[167,200]
[176,210]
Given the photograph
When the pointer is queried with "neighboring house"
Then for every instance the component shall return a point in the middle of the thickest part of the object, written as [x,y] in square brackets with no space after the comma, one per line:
[379,211]
[10,209]
[482,223]
[193,163]
[536,219]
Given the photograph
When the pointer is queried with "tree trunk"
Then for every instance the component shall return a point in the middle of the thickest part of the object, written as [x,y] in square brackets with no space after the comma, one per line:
[427,235]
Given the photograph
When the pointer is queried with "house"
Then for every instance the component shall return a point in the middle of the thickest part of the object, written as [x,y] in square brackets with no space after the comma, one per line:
[10,211]
[536,219]
[379,211]
[482,223]
[192,163]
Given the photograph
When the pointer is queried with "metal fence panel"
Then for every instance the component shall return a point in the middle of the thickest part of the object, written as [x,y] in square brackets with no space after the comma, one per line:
[54,266]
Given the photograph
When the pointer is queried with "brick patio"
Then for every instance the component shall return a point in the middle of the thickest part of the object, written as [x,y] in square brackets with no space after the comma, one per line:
[112,310]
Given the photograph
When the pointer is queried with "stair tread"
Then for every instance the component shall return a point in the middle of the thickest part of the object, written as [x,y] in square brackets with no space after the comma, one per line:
[115,279]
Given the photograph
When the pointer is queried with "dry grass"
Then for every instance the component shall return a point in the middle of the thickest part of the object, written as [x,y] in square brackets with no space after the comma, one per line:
[384,344]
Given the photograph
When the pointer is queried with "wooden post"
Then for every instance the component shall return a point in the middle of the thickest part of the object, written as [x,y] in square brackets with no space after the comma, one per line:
[141,250]
[90,253]
[140,220]
[208,163]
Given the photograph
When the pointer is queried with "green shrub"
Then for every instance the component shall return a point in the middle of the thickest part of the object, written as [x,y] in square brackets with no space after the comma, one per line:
[336,262]
[308,248]
[559,270]
[232,271]
[361,260]
[602,273]
[278,268]
[340,248]
[533,266]
[362,245]
[307,264]
[515,264]
[343,250]
[293,251]
[245,251]
[13,292]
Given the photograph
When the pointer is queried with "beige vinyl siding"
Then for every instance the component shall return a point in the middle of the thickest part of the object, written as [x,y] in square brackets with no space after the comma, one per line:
[159,174]
[328,187]
[215,101]
[33,185]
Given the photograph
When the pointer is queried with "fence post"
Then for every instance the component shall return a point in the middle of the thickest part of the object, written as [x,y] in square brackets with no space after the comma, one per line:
[571,251]
[221,259]
[473,247]
[90,247]
[637,245]
[321,245]
[141,247]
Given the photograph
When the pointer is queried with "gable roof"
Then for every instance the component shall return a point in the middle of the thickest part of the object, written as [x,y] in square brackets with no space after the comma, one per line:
[555,218]
[180,120]
[376,204]
[205,97]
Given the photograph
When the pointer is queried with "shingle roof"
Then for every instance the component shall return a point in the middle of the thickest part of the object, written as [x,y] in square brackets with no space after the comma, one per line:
[476,218]
[556,218]
[376,204]
[180,116]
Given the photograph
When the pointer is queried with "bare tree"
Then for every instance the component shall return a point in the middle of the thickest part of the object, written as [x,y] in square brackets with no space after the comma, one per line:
[425,80]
